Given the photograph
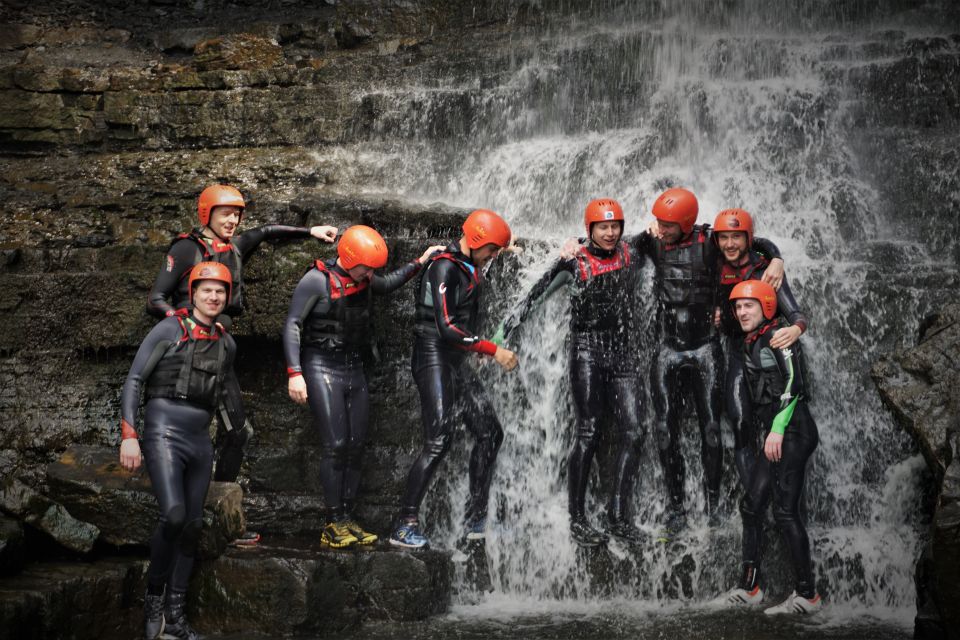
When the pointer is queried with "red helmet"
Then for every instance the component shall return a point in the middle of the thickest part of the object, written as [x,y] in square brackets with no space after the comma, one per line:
[485,227]
[677,205]
[361,244]
[601,210]
[734,220]
[759,291]
[210,271]
[216,196]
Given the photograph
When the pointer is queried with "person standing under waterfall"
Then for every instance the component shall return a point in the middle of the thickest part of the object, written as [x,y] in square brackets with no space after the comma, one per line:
[782,437]
[182,365]
[733,233]
[604,373]
[446,315]
[220,210]
[690,358]
[325,340]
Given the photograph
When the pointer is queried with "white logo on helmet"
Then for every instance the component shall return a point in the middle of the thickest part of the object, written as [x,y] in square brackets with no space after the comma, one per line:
[608,215]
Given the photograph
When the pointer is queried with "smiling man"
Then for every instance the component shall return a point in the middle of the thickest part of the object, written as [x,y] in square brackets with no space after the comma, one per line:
[220,210]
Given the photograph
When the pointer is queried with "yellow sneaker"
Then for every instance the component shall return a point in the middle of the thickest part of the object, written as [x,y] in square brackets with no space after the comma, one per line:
[337,536]
[363,537]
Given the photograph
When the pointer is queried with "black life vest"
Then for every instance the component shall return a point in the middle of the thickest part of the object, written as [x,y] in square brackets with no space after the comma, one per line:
[192,368]
[764,380]
[213,250]
[347,321]
[602,302]
[684,272]
[464,309]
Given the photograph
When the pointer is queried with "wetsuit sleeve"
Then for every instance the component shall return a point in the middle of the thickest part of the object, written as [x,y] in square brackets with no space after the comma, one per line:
[789,364]
[766,248]
[644,243]
[788,307]
[313,289]
[560,273]
[164,334]
[444,280]
[183,255]
[248,241]
[389,283]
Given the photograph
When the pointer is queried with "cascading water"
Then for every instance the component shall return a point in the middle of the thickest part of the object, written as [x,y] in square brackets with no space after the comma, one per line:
[745,104]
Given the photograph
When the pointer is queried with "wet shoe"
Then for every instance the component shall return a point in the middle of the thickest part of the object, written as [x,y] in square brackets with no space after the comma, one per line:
[363,537]
[797,605]
[739,597]
[477,530]
[675,524]
[177,627]
[248,539]
[153,622]
[408,535]
[625,531]
[336,536]
[585,535]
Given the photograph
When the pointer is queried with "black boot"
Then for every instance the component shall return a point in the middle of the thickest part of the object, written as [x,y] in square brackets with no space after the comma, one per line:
[176,618]
[152,615]
[585,535]
[626,531]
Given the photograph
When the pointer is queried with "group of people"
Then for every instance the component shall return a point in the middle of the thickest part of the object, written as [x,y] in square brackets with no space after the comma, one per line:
[708,282]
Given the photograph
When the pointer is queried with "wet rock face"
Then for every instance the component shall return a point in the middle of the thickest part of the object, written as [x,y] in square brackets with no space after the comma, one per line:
[90,482]
[42,513]
[919,386]
[287,589]
[12,554]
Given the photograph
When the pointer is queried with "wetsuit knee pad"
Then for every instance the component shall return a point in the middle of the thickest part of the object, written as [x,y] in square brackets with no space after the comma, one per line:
[174,521]
[747,511]
[335,453]
[436,447]
[191,537]
[354,456]
[785,516]
[711,435]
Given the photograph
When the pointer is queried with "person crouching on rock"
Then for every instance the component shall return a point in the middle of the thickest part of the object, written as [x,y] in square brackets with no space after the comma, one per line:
[783,437]
[327,331]
[182,365]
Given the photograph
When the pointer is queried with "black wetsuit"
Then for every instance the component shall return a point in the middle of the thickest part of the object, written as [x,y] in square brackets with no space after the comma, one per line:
[447,307]
[169,293]
[603,365]
[182,365]
[690,357]
[736,403]
[777,393]
[326,333]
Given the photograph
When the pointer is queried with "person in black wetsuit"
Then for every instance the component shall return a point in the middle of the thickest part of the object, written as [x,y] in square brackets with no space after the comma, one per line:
[447,308]
[733,233]
[603,364]
[182,365]
[690,356]
[326,333]
[782,436]
[220,210]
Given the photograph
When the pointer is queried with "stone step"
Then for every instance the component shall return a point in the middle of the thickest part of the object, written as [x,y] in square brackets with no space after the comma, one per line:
[293,587]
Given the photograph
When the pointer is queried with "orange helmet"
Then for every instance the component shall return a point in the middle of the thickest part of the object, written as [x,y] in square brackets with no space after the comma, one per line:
[759,291]
[210,271]
[361,244]
[215,196]
[677,205]
[734,220]
[601,210]
[485,227]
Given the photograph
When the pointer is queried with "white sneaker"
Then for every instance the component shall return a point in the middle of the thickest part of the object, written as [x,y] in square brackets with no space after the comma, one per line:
[796,604]
[738,597]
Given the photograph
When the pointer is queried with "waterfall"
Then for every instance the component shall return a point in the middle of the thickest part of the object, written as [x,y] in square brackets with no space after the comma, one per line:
[749,105]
